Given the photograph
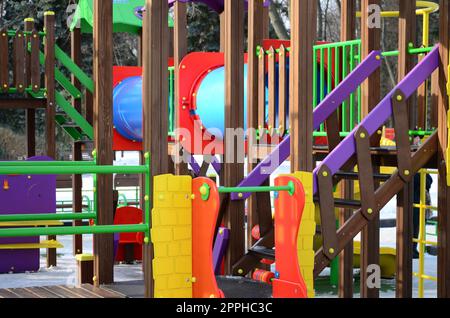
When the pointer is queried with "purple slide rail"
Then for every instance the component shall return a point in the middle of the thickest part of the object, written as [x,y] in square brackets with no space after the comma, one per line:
[330,104]
[378,116]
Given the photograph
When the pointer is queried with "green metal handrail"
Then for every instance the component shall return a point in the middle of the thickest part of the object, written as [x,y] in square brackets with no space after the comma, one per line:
[60,168]
[47,217]
[75,230]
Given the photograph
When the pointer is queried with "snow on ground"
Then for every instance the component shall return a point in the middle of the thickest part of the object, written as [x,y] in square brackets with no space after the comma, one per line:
[65,272]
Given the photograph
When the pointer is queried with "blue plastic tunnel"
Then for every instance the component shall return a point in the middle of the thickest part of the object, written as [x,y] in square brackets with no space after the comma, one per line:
[210,104]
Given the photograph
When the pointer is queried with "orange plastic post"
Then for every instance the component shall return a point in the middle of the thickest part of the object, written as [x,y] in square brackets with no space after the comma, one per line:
[204,216]
[288,282]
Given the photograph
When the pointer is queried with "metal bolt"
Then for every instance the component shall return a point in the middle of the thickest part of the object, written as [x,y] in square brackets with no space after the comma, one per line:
[399,98]
[331,250]
[146,198]
[240,271]
[362,135]
[407,172]
[370,211]
[325,174]
[378,57]
[240,195]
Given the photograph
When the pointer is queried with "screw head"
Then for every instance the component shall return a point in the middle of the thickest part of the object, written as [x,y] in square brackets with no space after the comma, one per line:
[406,172]
[147,155]
[325,174]
[203,190]
[146,198]
[146,240]
[240,195]
[331,250]
[362,135]
[370,211]
[378,57]
[399,98]
[240,271]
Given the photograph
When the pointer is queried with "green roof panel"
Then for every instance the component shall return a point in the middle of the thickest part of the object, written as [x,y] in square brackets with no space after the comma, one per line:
[126,16]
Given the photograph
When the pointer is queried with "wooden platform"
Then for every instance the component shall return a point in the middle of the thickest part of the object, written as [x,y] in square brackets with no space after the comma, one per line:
[85,291]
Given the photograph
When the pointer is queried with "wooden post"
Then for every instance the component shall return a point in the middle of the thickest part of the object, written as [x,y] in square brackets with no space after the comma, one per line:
[345,288]
[103,130]
[180,51]
[443,161]
[30,113]
[222,31]
[256,29]
[234,118]
[50,132]
[155,98]
[407,34]
[77,180]
[370,236]
[303,37]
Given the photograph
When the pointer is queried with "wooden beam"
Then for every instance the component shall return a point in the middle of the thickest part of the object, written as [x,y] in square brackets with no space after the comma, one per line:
[443,189]
[345,288]
[370,236]
[103,131]
[304,34]
[234,118]
[255,38]
[23,103]
[155,97]
[404,280]
[180,51]
[77,180]
[50,129]
[30,114]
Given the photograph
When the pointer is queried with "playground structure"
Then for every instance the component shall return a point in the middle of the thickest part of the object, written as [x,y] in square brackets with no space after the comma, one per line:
[316,104]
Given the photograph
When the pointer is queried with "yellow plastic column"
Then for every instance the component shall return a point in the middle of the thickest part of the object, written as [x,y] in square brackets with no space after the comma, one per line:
[172,236]
[306,233]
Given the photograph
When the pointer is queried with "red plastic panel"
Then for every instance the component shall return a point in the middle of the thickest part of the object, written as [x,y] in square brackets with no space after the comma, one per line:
[204,218]
[289,282]
[129,215]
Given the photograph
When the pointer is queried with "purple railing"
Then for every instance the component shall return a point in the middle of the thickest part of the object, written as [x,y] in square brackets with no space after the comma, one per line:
[378,116]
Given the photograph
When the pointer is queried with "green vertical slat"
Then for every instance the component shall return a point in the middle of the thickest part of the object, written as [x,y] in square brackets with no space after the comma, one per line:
[344,75]
[336,76]
[322,81]
[315,101]
[359,88]
[352,95]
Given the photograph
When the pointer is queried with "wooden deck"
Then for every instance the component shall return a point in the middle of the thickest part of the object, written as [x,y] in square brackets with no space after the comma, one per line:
[85,291]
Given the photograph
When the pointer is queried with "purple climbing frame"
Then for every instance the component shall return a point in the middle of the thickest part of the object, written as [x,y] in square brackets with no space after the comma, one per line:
[378,116]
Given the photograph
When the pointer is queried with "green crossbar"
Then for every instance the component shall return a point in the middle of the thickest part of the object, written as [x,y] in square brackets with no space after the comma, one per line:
[65,60]
[65,170]
[62,79]
[74,115]
[46,217]
[74,230]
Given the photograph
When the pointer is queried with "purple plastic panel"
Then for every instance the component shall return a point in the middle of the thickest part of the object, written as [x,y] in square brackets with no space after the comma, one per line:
[216,5]
[333,100]
[378,116]
[220,248]
[25,195]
